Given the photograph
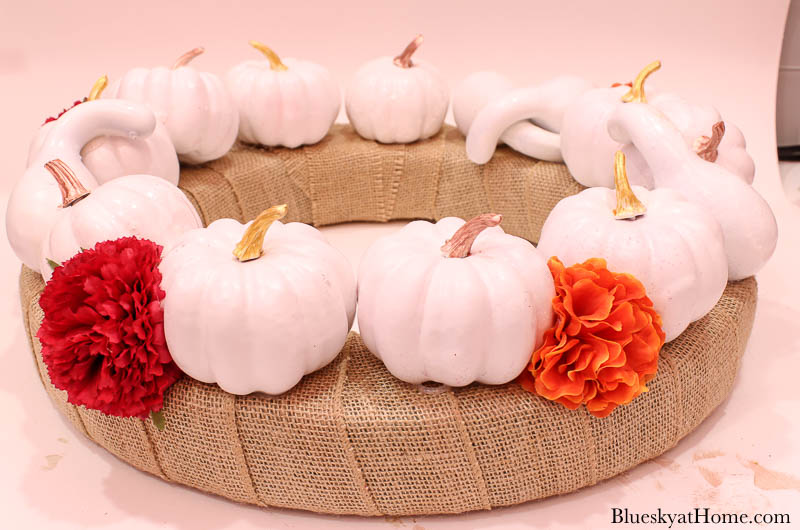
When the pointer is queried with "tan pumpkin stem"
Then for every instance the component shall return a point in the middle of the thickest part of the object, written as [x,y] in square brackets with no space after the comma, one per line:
[628,205]
[404,59]
[186,58]
[72,190]
[97,88]
[706,147]
[250,246]
[636,93]
[460,245]
[274,61]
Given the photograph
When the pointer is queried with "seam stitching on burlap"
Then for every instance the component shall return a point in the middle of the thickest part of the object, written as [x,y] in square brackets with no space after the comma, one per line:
[225,178]
[438,175]
[679,396]
[397,176]
[591,445]
[469,449]
[196,204]
[311,186]
[485,187]
[338,412]
[241,457]
[528,206]
[154,451]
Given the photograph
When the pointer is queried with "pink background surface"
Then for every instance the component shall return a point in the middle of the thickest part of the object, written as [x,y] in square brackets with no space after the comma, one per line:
[723,52]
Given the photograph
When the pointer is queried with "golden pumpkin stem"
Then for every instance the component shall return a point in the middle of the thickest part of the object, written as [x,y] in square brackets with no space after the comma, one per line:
[460,245]
[628,205]
[97,88]
[186,58]
[636,92]
[250,246]
[706,147]
[72,190]
[274,61]
[404,59]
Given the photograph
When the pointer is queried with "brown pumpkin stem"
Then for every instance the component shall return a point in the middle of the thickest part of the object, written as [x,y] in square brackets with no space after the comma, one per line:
[404,59]
[706,147]
[97,88]
[636,93]
[186,58]
[460,245]
[274,61]
[72,190]
[250,246]
[628,205]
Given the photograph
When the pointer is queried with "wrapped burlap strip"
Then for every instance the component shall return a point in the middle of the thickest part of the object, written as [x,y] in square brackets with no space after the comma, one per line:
[350,438]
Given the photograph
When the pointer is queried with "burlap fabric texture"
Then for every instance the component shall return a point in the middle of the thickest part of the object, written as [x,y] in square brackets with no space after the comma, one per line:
[352,439]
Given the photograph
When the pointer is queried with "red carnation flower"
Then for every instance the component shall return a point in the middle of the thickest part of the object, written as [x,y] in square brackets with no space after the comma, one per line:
[103,330]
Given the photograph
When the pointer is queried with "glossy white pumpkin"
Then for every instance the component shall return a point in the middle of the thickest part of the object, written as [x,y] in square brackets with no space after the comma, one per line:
[133,205]
[288,103]
[195,107]
[109,157]
[259,325]
[544,105]
[392,103]
[35,199]
[747,221]
[453,320]
[676,249]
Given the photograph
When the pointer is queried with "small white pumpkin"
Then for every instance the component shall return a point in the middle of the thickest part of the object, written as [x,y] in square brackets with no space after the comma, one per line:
[454,302]
[195,107]
[747,221]
[675,248]
[280,307]
[289,103]
[133,205]
[529,118]
[34,201]
[397,100]
[109,157]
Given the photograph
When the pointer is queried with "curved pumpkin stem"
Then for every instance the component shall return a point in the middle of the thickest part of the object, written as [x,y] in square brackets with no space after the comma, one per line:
[186,58]
[249,248]
[707,147]
[275,62]
[404,59]
[97,88]
[628,205]
[460,245]
[72,190]
[636,93]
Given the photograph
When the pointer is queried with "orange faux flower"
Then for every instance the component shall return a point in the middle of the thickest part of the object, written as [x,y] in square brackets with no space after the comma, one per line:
[603,348]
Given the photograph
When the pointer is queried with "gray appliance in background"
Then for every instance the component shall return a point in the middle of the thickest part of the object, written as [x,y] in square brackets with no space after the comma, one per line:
[787,113]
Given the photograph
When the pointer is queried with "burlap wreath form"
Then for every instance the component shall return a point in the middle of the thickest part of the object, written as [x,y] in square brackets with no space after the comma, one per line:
[352,439]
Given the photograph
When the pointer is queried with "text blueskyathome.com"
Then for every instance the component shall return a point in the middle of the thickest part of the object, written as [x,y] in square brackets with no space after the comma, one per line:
[695,516]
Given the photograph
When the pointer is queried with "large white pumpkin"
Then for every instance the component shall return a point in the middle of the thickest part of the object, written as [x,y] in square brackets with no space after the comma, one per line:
[133,205]
[288,103]
[35,199]
[747,221]
[109,157]
[676,248]
[454,303]
[260,324]
[397,100]
[195,107]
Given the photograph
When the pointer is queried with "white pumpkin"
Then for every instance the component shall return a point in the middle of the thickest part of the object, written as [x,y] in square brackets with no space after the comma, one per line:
[747,221]
[544,105]
[34,201]
[279,308]
[133,205]
[109,157]
[454,302]
[397,100]
[289,103]
[195,107]
[674,247]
